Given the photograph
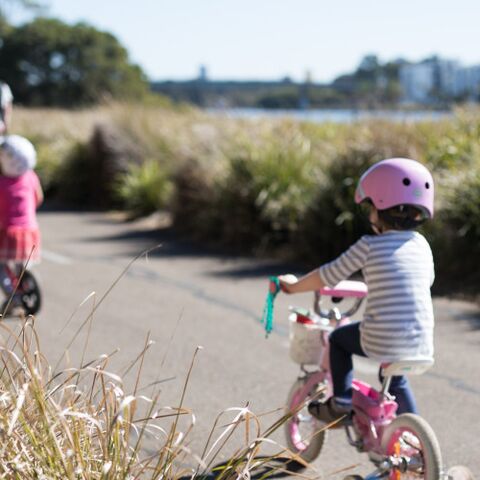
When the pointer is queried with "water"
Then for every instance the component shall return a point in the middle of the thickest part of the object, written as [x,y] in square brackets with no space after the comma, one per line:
[334,115]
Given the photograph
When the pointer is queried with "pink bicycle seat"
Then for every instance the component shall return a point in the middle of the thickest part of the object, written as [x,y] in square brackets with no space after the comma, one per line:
[346,288]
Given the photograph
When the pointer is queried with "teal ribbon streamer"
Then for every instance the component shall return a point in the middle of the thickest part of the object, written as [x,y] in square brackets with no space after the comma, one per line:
[267,317]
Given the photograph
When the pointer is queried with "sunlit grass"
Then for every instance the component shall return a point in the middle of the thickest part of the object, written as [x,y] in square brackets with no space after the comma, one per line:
[82,422]
[60,421]
[265,186]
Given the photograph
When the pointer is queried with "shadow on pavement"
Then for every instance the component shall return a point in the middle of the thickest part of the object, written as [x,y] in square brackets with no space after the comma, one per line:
[472,318]
[273,468]
[262,268]
[173,245]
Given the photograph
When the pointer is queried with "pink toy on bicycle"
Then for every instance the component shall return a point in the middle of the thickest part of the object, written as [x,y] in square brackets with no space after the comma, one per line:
[396,330]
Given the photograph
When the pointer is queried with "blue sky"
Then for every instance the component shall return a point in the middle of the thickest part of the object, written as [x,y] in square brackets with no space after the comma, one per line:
[269,39]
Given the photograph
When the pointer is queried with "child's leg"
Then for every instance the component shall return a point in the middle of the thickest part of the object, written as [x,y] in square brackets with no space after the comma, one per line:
[401,390]
[344,342]
[5,282]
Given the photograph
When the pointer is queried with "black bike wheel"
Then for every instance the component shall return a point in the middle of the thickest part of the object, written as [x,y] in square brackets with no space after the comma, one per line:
[30,293]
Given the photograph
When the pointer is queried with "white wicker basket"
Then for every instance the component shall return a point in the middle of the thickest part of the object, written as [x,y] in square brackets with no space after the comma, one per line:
[306,344]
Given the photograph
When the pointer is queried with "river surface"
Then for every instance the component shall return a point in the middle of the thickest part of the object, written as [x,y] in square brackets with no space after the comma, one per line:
[334,115]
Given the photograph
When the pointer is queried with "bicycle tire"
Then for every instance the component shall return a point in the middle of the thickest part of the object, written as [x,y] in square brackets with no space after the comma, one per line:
[30,293]
[306,444]
[409,435]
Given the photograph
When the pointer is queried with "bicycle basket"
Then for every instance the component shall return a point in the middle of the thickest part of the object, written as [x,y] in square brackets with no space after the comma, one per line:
[306,344]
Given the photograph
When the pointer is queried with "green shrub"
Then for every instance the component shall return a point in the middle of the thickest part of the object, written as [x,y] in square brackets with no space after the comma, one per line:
[455,233]
[452,151]
[252,195]
[257,212]
[273,186]
[50,154]
[71,181]
[145,188]
[89,174]
[333,221]
[260,200]
[194,201]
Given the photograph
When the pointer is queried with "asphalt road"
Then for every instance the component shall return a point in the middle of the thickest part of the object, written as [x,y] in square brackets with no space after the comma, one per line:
[187,297]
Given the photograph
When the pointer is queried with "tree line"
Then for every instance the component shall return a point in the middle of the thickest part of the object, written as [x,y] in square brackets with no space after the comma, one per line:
[372,84]
[50,63]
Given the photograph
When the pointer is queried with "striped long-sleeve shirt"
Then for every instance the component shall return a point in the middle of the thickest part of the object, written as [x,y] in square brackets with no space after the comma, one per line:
[398,269]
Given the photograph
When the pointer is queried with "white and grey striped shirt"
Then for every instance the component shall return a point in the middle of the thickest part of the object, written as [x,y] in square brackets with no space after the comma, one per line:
[398,269]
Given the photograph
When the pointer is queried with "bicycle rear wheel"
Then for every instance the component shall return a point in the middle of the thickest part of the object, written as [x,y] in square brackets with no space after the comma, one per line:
[411,441]
[305,434]
[30,293]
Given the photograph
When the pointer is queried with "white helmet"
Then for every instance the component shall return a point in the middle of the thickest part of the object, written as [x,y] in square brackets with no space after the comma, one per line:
[17,155]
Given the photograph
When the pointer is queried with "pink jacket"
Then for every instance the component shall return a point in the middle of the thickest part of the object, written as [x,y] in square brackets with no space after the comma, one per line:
[19,198]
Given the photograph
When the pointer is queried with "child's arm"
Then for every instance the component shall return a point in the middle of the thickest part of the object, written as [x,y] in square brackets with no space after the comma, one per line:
[310,282]
[330,273]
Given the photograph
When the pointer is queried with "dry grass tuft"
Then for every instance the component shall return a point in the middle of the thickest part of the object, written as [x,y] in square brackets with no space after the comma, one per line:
[81,423]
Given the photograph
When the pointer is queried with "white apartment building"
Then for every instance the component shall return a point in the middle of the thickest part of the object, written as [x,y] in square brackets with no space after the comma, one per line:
[445,71]
[417,82]
[467,82]
[435,79]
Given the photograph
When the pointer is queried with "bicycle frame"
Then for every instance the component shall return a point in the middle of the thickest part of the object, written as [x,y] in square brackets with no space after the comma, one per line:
[373,409]
[373,427]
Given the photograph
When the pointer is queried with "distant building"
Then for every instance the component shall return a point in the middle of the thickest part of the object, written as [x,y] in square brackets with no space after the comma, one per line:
[467,83]
[202,74]
[428,81]
[445,71]
[417,82]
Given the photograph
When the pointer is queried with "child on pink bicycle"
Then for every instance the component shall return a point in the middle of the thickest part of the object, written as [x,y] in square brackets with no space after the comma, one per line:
[397,265]
[20,195]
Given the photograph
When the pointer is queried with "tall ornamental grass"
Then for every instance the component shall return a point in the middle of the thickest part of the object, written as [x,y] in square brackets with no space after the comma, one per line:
[145,188]
[84,423]
[263,186]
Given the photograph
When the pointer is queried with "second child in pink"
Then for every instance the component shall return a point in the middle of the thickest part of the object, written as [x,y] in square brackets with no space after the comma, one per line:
[20,195]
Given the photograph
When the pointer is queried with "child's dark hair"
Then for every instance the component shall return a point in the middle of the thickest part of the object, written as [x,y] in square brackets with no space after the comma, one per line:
[402,217]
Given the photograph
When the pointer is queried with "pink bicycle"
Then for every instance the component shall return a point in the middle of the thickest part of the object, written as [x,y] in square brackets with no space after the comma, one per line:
[400,447]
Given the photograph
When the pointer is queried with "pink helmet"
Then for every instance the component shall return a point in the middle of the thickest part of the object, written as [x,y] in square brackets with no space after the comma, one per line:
[397,181]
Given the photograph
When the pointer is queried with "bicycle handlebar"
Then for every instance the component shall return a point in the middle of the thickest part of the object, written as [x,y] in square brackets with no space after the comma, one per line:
[345,289]
[334,313]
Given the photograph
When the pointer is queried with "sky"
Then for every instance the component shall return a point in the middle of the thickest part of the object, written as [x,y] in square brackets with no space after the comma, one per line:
[272,39]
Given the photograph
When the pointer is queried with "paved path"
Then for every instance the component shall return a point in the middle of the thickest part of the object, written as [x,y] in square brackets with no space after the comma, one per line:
[188,297]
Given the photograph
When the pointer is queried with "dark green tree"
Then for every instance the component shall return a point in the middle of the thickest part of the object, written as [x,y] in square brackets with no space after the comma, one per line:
[48,62]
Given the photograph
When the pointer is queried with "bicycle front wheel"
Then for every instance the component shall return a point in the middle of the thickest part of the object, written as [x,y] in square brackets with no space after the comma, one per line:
[411,443]
[304,433]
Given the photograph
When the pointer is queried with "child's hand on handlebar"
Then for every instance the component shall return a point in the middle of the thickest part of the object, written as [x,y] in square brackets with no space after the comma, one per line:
[286,282]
